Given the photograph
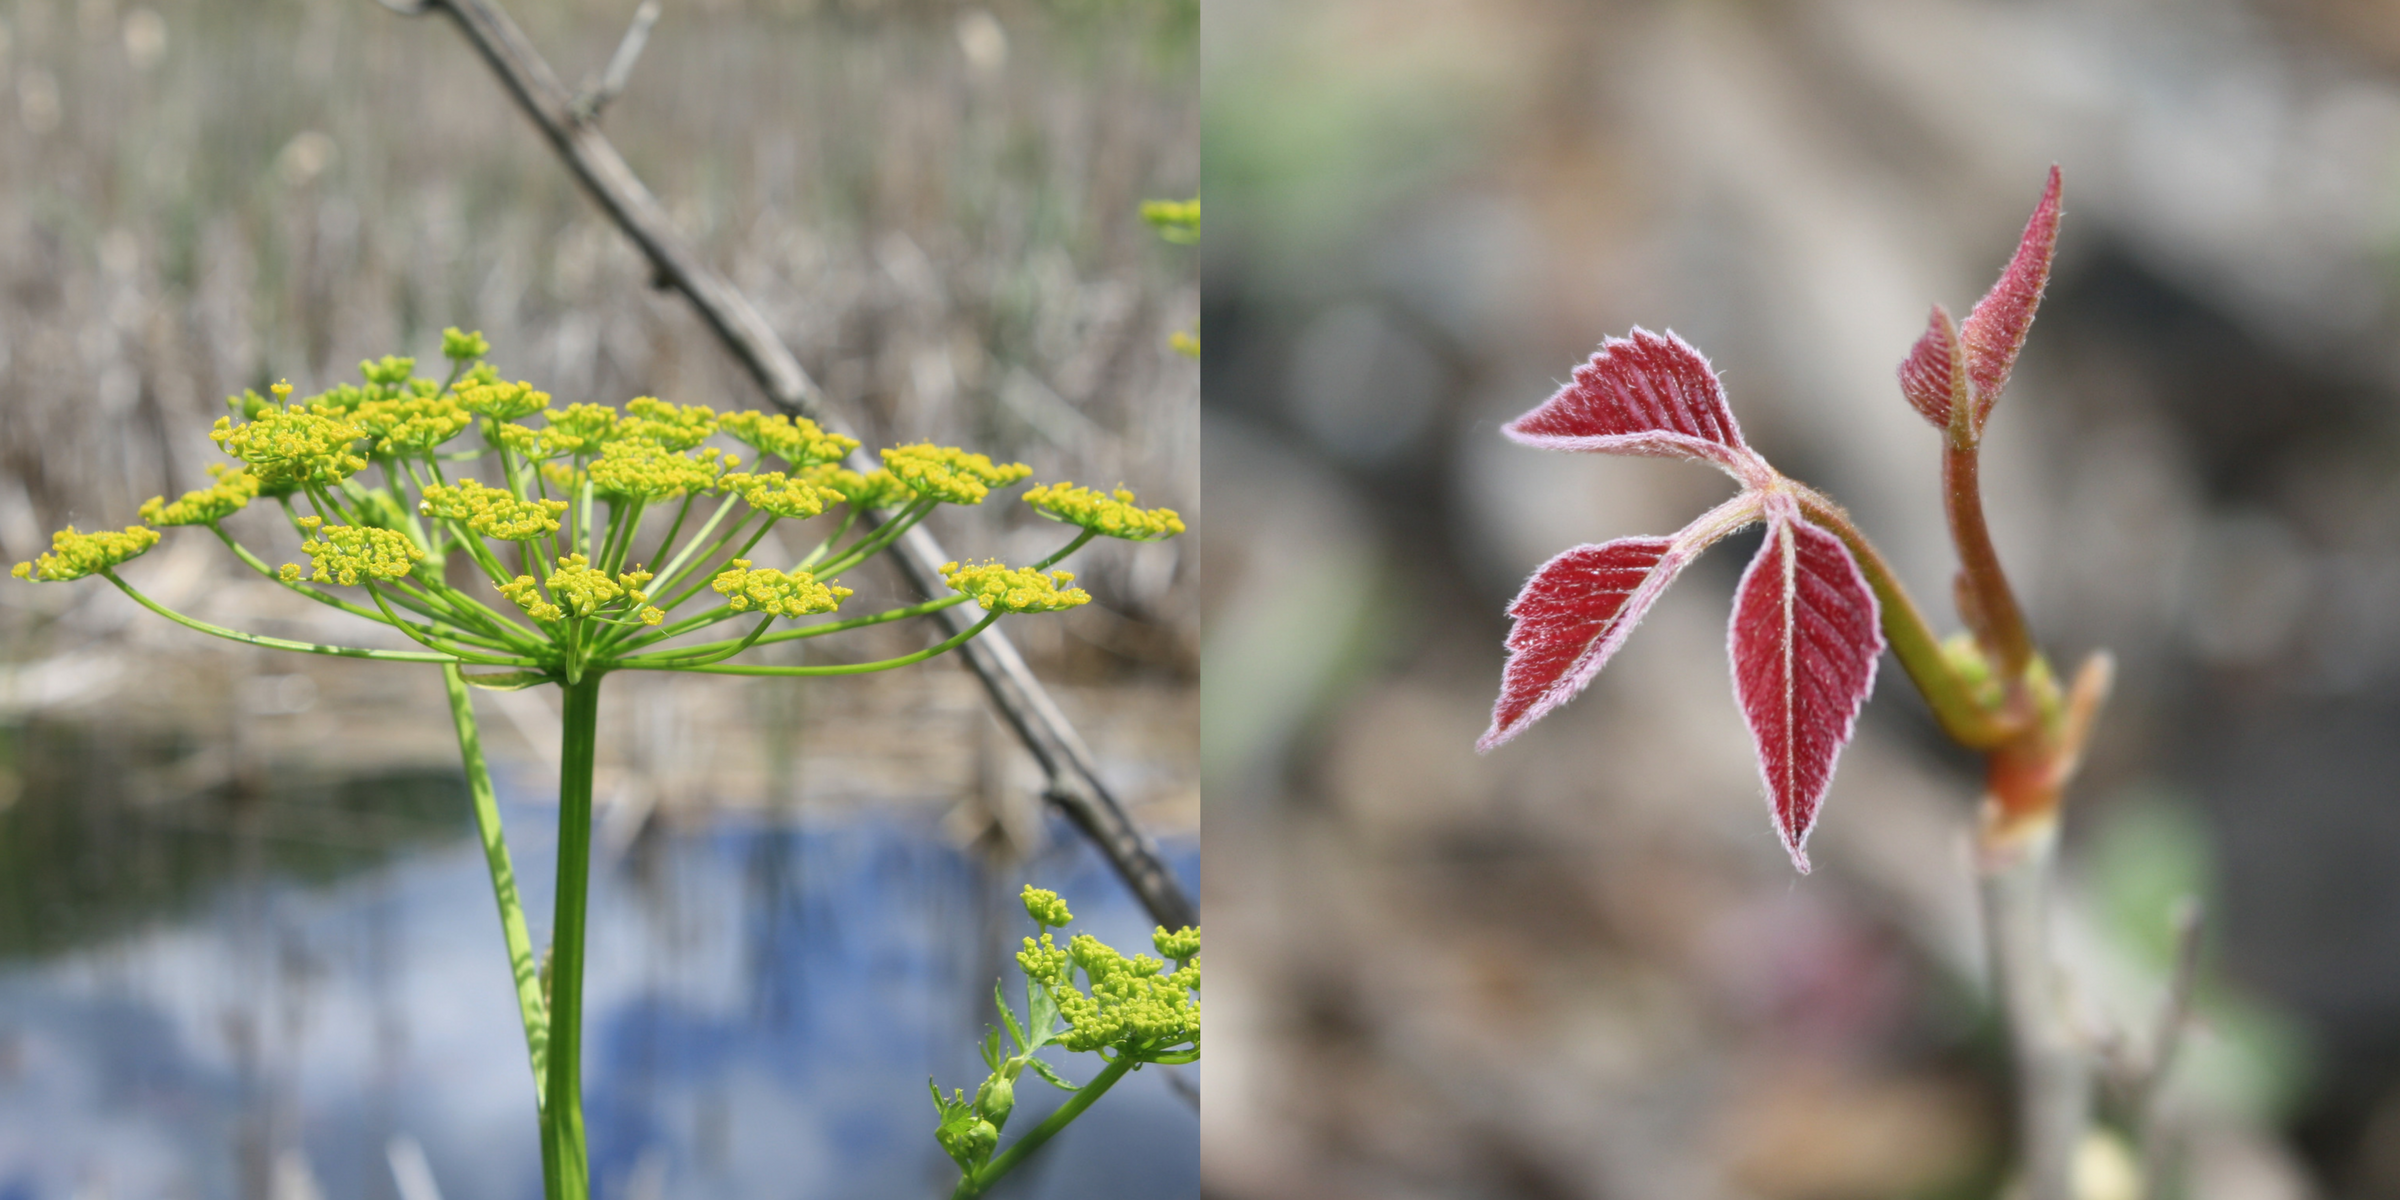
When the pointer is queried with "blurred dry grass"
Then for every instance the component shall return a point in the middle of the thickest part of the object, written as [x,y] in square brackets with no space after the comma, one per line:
[936,204]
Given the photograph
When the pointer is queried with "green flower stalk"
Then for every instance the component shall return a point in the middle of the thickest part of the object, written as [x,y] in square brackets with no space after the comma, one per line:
[557,554]
[1129,1011]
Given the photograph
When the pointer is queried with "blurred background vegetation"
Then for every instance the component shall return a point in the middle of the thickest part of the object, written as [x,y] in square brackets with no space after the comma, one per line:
[936,203]
[1581,967]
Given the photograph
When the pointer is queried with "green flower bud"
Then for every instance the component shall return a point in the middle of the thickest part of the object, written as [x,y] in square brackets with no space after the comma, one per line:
[995,1099]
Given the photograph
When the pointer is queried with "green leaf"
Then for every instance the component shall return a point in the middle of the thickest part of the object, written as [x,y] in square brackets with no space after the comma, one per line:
[1016,1031]
[991,1050]
[1041,1013]
[1044,1070]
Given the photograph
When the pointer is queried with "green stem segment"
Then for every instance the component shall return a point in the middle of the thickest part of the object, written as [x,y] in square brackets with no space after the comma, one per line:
[1911,637]
[285,644]
[521,961]
[887,664]
[569,1177]
[975,1184]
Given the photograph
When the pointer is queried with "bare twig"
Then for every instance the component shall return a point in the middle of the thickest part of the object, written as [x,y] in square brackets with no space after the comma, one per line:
[612,81]
[1074,784]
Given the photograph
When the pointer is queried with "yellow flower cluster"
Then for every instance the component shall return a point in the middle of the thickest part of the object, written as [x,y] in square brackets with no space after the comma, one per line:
[769,590]
[577,429]
[344,553]
[949,474]
[412,422]
[458,346]
[875,489]
[1177,221]
[774,492]
[796,441]
[391,371]
[1110,515]
[651,419]
[564,476]
[525,595]
[490,511]
[1046,908]
[1132,1003]
[647,470]
[585,590]
[1005,589]
[293,447]
[503,401]
[233,489]
[74,554]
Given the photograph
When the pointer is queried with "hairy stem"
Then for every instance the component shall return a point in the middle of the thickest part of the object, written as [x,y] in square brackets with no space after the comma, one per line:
[1987,602]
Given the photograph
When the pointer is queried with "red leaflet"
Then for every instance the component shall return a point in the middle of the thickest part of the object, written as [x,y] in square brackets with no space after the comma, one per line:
[1934,375]
[1572,615]
[1644,394]
[1996,330]
[1806,630]
[1806,633]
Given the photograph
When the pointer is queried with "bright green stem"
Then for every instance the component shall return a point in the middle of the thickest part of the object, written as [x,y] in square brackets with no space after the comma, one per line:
[1069,548]
[409,628]
[725,612]
[887,664]
[702,656]
[504,878]
[873,544]
[272,643]
[668,574]
[562,1103]
[977,1183]
[1911,638]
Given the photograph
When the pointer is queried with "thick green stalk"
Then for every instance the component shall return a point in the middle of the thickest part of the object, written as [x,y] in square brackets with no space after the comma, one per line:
[975,1184]
[569,1168]
[521,961]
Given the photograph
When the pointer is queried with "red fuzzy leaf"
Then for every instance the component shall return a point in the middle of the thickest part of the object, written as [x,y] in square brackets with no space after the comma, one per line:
[1995,331]
[1806,633]
[1643,394]
[1934,375]
[1571,617]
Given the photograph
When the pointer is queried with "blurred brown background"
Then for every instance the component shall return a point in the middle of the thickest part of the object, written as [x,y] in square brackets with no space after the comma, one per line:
[1582,967]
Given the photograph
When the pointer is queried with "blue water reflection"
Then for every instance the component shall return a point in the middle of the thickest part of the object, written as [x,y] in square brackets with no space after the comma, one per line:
[766,1001]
